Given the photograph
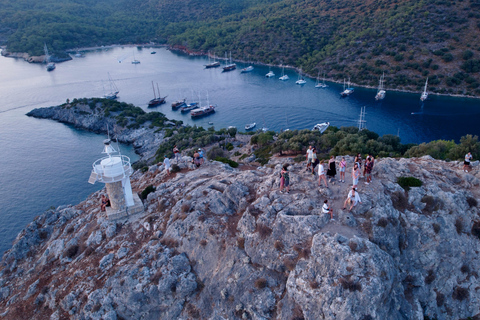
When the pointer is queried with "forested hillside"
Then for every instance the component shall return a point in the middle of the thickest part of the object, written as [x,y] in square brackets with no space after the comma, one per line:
[408,40]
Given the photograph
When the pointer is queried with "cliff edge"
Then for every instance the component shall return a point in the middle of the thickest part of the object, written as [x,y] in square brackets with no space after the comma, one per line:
[223,243]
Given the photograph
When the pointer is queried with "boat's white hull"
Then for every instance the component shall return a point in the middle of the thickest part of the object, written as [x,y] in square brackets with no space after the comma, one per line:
[380,95]
[321,127]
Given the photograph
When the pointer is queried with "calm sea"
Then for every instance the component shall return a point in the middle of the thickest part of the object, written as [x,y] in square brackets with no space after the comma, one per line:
[45,163]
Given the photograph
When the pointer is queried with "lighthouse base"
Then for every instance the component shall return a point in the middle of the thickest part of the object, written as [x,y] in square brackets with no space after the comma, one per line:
[137,208]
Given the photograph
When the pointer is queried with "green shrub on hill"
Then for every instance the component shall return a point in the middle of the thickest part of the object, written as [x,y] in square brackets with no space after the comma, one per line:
[408,182]
[231,163]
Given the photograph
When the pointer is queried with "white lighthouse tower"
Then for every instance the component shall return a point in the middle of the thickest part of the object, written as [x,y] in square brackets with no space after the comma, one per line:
[115,172]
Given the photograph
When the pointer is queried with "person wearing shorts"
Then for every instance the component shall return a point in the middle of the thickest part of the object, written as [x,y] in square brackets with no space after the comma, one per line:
[342,167]
[466,163]
[321,174]
[309,156]
[355,175]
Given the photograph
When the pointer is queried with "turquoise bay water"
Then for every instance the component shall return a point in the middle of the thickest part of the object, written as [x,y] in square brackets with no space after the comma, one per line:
[45,163]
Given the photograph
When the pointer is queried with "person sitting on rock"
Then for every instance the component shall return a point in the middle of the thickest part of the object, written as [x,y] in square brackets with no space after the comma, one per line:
[326,209]
[353,198]
[105,203]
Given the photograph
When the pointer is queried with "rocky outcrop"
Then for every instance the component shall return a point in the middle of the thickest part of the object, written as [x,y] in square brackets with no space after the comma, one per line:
[223,243]
[144,139]
[34,59]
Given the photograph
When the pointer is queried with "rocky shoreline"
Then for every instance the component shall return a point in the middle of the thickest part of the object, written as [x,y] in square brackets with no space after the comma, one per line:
[145,140]
[223,243]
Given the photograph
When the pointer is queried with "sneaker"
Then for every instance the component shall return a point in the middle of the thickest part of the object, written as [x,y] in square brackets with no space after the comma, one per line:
[367,183]
[288,192]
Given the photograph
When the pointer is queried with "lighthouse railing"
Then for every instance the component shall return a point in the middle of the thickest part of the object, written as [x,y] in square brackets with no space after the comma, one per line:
[126,171]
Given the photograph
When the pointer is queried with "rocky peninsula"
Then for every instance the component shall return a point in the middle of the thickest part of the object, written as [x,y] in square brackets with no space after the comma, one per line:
[217,242]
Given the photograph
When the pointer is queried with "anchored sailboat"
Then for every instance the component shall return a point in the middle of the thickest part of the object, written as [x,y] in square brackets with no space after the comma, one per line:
[50,65]
[301,80]
[156,101]
[213,64]
[320,85]
[135,61]
[284,77]
[270,73]
[381,89]
[424,95]
[231,66]
[348,90]
[113,90]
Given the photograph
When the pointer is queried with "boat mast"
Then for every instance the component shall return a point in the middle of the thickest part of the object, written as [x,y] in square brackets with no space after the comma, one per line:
[361,120]
[153,87]
[47,56]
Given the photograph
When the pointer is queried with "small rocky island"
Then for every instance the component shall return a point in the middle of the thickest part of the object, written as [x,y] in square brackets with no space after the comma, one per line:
[217,242]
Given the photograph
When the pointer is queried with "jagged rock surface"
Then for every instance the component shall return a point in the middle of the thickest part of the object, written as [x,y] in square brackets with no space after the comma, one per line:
[223,243]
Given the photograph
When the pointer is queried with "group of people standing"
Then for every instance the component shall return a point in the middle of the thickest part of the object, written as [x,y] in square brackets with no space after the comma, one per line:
[198,158]
[327,171]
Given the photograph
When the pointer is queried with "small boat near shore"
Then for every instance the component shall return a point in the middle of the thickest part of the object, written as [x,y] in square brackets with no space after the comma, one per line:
[321,127]
[203,111]
[250,126]
[247,69]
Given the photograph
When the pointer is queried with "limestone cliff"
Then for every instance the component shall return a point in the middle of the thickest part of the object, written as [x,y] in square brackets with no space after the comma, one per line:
[223,243]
